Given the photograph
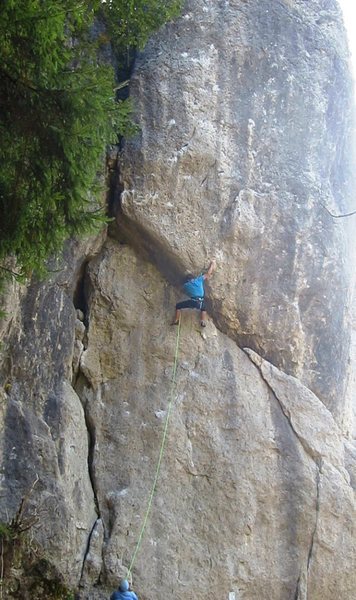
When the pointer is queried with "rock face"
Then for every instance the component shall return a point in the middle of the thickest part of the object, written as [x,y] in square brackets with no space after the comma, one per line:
[350,408]
[243,108]
[244,113]
[44,451]
[253,496]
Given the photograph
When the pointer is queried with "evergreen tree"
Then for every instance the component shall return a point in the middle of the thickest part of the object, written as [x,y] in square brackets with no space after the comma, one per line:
[57,113]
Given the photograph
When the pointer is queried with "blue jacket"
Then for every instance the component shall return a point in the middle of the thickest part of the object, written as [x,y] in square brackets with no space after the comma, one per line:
[123,595]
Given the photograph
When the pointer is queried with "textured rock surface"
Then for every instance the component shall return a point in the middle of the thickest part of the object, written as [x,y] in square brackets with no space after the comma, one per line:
[243,108]
[350,408]
[43,430]
[253,496]
[244,116]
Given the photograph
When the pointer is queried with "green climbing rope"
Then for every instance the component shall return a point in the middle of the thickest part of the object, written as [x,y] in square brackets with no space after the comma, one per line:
[160,456]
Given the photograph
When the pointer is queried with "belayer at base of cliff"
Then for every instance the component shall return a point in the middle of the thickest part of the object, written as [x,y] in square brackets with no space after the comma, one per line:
[194,288]
[124,592]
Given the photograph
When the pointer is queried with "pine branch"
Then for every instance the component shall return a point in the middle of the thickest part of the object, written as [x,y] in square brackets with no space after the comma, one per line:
[18,81]
[44,16]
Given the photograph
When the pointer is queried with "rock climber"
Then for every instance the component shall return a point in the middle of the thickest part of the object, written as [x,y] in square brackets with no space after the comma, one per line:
[194,288]
[124,592]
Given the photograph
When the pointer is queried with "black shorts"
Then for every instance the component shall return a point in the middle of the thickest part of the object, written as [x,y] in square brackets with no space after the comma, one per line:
[197,303]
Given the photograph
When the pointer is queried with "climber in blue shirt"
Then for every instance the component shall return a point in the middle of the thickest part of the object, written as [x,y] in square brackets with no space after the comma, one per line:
[124,592]
[194,288]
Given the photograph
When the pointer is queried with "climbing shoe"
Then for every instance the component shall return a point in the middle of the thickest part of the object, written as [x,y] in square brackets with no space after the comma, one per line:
[203,323]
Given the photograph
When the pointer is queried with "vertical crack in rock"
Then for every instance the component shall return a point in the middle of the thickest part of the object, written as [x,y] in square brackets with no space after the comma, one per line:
[79,299]
[80,380]
[87,550]
[93,561]
[297,589]
[91,447]
[301,592]
[92,564]
[80,384]
[90,426]
[317,511]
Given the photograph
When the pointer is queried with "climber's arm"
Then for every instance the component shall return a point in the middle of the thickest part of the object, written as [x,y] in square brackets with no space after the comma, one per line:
[211,269]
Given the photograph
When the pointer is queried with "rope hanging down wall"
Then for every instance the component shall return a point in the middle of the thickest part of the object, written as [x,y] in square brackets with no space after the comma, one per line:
[160,456]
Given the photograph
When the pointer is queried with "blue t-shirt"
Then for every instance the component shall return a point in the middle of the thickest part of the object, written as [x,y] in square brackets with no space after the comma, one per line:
[195,287]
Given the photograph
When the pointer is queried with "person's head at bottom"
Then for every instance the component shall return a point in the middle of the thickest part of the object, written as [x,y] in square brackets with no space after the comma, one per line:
[124,585]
